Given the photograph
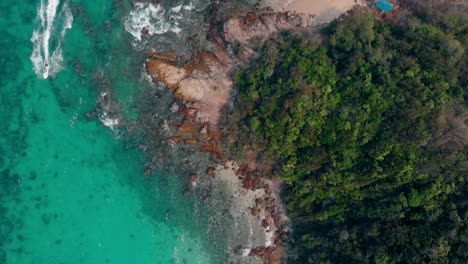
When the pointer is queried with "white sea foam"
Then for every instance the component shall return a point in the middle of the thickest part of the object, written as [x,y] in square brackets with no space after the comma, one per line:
[50,25]
[51,10]
[145,76]
[108,121]
[246,252]
[104,116]
[154,19]
[176,8]
[68,19]
[188,7]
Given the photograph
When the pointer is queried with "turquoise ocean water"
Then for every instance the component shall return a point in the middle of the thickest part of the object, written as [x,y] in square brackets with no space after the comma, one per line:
[71,189]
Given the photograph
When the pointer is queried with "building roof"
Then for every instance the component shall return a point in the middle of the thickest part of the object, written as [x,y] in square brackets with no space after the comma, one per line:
[384,5]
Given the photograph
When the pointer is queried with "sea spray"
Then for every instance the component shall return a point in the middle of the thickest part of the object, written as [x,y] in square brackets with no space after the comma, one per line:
[157,19]
[153,19]
[51,27]
[106,111]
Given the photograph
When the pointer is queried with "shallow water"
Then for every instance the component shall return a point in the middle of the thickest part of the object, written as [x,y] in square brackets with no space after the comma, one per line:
[71,189]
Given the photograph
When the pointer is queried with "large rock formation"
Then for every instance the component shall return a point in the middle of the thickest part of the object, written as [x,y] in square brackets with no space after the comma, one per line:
[206,79]
[242,29]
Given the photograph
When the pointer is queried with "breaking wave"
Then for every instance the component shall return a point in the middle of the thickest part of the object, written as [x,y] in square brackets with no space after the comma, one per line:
[48,35]
[154,19]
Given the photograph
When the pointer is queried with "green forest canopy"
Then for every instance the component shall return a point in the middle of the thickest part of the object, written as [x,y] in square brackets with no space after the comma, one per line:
[359,126]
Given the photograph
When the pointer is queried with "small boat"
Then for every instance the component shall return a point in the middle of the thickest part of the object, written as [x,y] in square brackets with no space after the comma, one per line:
[45,72]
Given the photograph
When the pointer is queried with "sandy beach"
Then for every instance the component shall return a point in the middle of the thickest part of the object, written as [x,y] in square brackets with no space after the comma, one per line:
[319,6]
[325,10]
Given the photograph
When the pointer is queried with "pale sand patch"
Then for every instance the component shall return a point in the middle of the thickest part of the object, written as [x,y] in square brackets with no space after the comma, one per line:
[325,10]
[277,5]
[319,6]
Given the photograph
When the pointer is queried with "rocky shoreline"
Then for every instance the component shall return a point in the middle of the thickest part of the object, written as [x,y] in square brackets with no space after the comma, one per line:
[202,88]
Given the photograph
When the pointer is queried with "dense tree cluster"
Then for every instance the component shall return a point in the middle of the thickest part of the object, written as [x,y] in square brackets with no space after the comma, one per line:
[359,128]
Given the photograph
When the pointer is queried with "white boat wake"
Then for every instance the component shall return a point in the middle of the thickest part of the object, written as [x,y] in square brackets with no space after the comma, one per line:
[50,30]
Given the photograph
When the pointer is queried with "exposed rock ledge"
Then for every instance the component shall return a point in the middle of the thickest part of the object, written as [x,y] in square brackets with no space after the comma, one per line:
[244,28]
[206,78]
[203,86]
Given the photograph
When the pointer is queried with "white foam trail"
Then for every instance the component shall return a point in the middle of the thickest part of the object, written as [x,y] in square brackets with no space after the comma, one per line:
[68,19]
[50,16]
[49,22]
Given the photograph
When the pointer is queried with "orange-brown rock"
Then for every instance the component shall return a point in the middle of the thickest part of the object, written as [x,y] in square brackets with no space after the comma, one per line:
[259,251]
[275,255]
[162,56]
[190,141]
[193,177]
[211,139]
[191,181]
[189,113]
[271,255]
[211,172]
[245,28]
[165,72]
[255,211]
[248,183]
[174,139]
[188,127]
[205,79]
[211,147]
